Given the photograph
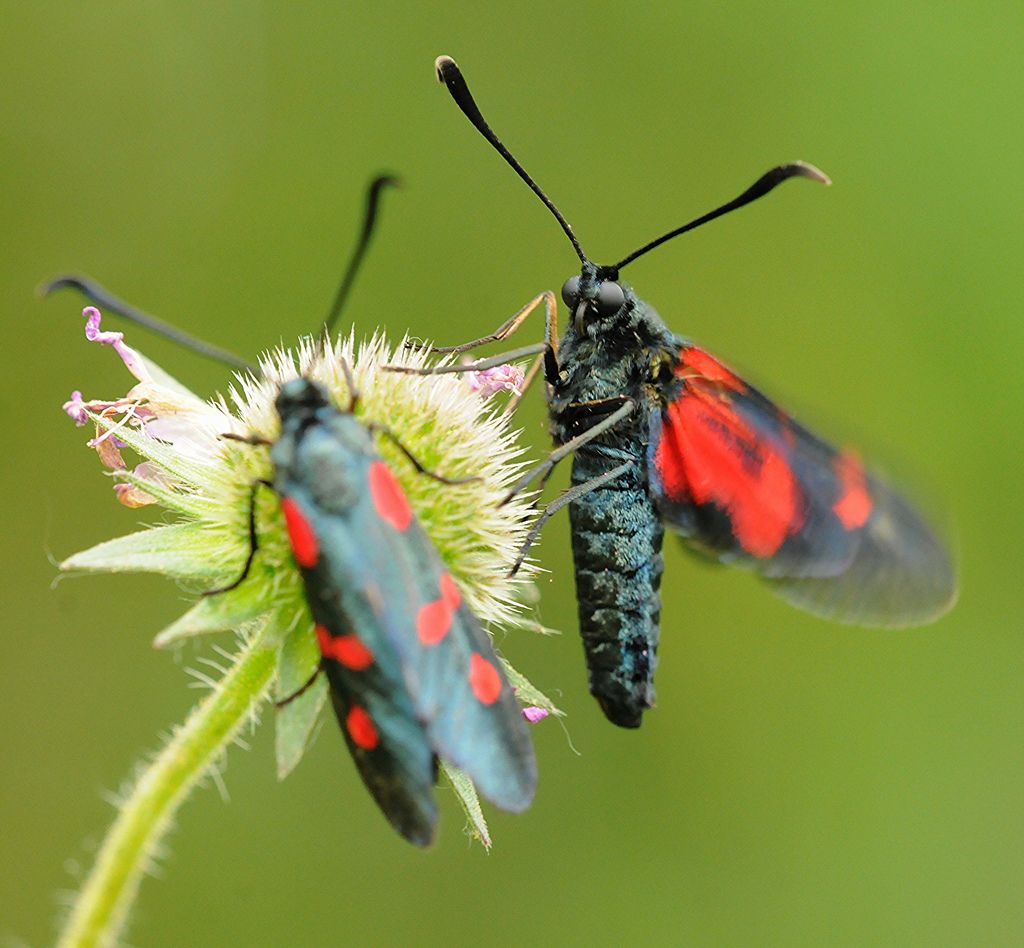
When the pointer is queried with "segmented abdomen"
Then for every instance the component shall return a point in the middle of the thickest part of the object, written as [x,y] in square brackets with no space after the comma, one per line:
[616,540]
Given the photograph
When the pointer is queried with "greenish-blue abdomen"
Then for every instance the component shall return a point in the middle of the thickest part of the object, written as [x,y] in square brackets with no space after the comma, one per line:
[616,540]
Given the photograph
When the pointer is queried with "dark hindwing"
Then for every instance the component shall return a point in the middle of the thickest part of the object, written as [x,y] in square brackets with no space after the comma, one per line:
[742,480]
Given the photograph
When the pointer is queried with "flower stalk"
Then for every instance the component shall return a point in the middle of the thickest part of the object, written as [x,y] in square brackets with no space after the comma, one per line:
[147,812]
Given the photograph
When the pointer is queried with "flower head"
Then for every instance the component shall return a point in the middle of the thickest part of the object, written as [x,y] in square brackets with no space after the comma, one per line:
[186,466]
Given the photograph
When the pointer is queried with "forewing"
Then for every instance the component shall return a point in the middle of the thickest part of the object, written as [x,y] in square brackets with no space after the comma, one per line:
[461,690]
[389,747]
[742,480]
[388,742]
[452,673]
[389,584]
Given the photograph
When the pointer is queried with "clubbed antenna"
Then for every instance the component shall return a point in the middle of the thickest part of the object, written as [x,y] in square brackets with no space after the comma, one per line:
[449,73]
[105,300]
[369,222]
[767,182]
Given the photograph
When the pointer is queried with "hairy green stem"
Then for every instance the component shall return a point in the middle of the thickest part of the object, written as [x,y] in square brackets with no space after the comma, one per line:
[102,907]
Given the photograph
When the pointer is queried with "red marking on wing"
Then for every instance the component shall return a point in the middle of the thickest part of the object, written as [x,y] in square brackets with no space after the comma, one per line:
[854,504]
[449,591]
[346,649]
[694,361]
[709,454]
[305,546]
[434,619]
[388,498]
[361,729]
[484,679]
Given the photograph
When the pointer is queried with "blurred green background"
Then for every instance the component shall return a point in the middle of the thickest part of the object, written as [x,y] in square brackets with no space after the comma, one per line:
[799,782]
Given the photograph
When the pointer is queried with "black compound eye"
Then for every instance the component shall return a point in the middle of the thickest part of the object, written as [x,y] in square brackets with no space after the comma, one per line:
[571,291]
[610,298]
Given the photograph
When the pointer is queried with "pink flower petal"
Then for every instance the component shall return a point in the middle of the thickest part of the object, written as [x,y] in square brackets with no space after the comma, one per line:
[533,714]
[132,360]
[75,408]
[502,378]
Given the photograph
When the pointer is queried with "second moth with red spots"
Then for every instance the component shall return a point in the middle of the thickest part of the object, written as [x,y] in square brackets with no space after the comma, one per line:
[663,433]
[413,676]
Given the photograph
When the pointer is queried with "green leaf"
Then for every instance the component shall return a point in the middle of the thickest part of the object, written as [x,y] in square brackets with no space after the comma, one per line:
[298,661]
[181,550]
[467,795]
[221,613]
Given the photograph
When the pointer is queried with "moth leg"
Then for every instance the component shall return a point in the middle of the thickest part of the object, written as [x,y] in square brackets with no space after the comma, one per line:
[245,439]
[504,330]
[576,413]
[559,502]
[281,702]
[353,393]
[416,463]
[477,365]
[626,407]
[548,350]
[528,380]
[253,537]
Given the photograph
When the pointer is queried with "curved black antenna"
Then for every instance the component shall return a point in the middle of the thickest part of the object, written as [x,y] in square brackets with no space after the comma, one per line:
[764,184]
[103,298]
[449,73]
[369,221]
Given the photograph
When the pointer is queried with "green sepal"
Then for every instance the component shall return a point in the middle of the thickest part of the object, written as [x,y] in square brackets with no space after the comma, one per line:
[467,795]
[180,550]
[187,503]
[171,460]
[298,660]
[220,613]
[527,693]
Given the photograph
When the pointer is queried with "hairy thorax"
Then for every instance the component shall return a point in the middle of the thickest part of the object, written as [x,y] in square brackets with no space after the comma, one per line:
[631,355]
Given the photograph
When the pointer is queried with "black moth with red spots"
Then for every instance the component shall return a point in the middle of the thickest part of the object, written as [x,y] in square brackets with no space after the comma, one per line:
[413,676]
[665,434]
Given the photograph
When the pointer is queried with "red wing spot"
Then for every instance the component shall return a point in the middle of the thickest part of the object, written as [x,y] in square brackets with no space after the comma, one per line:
[854,504]
[361,729]
[433,621]
[305,546]
[388,499]
[435,618]
[347,650]
[484,679]
[449,591]
[708,454]
[696,361]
